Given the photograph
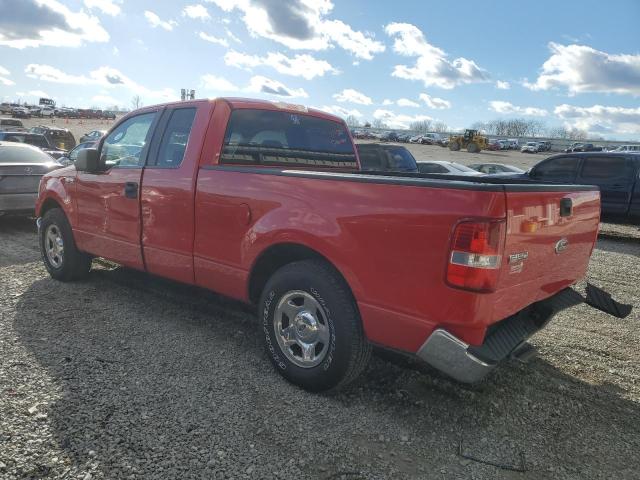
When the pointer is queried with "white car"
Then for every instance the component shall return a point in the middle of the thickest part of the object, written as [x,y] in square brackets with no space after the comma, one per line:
[47,112]
[415,139]
[530,147]
[627,148]
[446,168]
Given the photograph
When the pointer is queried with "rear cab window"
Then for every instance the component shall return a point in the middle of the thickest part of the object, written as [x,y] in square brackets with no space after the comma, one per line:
[602,168]
[290,139]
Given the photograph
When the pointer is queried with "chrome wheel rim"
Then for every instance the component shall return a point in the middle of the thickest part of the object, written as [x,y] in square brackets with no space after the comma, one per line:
[54,246]
[302,329]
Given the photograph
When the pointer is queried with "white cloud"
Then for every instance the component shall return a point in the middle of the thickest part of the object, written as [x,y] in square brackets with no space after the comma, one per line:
[4,73]
[509,108]
[579,69]
[500,85]
[212,39]
[108,7]
[232,36]
[301,24]
[257,84]
[304,66]
[104,76]
[341,111]
[218,84]
[405,102]
[387,101]
[601,119]
[33,93]
[196,11]
[350,95]
[260,84]
[432,66]
[395,120]
[435,102]
[155,21]
[36,23]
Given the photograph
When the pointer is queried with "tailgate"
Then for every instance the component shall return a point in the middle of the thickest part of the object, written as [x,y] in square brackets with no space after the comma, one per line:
[549,239]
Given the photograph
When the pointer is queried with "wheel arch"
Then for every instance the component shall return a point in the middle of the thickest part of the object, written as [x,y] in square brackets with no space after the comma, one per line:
[277,256]
[48,204]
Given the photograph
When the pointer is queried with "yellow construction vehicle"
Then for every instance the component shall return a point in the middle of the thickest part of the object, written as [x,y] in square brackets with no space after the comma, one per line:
[471,140]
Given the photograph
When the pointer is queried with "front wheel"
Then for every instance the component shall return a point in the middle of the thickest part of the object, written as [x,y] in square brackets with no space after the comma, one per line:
[473,147]
[454,146]
[61,257]
[312,328]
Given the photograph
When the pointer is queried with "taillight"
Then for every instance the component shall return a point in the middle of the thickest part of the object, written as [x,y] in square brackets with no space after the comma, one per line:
[475,254]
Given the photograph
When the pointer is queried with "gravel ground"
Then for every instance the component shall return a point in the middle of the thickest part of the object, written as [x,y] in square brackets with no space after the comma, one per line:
[128,376]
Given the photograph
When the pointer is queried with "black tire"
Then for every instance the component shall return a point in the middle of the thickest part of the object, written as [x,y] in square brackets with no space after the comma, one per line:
[472,147]
[348,350]
[73,264]
[454,146]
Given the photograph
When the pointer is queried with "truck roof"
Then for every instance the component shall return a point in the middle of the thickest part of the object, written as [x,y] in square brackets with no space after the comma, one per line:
[239,102]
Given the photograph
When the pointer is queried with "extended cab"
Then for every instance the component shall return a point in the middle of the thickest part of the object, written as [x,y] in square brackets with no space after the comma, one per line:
[263,202]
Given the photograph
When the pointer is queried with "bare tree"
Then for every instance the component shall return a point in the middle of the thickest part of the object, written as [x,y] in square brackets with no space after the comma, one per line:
[352,121]
[136,102]
[421,126]
[440,127]
[378,123]
[567,133]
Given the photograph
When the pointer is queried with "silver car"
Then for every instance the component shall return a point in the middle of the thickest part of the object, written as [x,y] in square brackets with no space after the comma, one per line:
[21,167]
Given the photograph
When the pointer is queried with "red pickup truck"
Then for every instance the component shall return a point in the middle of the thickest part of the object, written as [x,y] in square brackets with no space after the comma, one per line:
[263,202]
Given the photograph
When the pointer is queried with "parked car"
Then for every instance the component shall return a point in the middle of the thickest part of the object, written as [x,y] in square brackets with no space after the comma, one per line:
[545,146]
[35,139]
[47,112]
[11,124]
[71,156]
[61,138]
[266,206]
[21,168]
[495,168]
[21,112]
[627,149]
[108,115]
[513,143]
[530,147]
[389,137]
[404,137]
[430,138]
[385,158]
[582,147]
[616,174]
[92,136]
[448,168]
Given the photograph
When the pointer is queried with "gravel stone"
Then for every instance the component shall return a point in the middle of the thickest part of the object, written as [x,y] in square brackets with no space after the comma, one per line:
[134,377]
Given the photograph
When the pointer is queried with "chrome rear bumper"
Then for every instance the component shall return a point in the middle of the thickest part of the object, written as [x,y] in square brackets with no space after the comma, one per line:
[449,354]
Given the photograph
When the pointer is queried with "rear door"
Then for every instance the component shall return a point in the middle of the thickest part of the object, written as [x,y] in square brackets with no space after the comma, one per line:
[167,195]
[615,177]
[557,170]
[108,202]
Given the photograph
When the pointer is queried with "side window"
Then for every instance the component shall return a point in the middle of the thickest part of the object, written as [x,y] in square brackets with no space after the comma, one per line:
[561,168]
[370,159]
[175,138]
[123,147]
[431,168]
[604,168]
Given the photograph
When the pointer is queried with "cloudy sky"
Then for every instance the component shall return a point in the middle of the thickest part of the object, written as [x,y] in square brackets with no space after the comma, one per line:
[573,63]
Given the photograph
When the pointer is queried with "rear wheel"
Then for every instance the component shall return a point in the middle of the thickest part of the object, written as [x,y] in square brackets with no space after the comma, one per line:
[472,147]
[454,146]
[61,257]
[312,328]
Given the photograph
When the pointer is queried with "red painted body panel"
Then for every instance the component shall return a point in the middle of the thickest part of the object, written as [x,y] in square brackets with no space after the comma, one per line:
[208,226]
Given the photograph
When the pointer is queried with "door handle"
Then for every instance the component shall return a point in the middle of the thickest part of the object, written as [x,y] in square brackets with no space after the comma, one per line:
[131,190]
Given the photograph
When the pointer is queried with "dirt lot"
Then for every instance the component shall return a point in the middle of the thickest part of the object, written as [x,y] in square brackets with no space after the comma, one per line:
[127,376]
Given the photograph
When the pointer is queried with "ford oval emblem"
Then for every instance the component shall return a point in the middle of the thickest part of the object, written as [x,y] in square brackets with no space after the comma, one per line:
[561,245]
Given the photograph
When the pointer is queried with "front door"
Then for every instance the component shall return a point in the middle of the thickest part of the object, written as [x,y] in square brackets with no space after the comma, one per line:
[108,202]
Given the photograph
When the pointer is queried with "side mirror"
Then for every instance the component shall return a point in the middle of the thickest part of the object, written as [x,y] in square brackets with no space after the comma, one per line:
[88,160]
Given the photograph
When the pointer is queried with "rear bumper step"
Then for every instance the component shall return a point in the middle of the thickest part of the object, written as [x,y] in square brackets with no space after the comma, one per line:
[470,364]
